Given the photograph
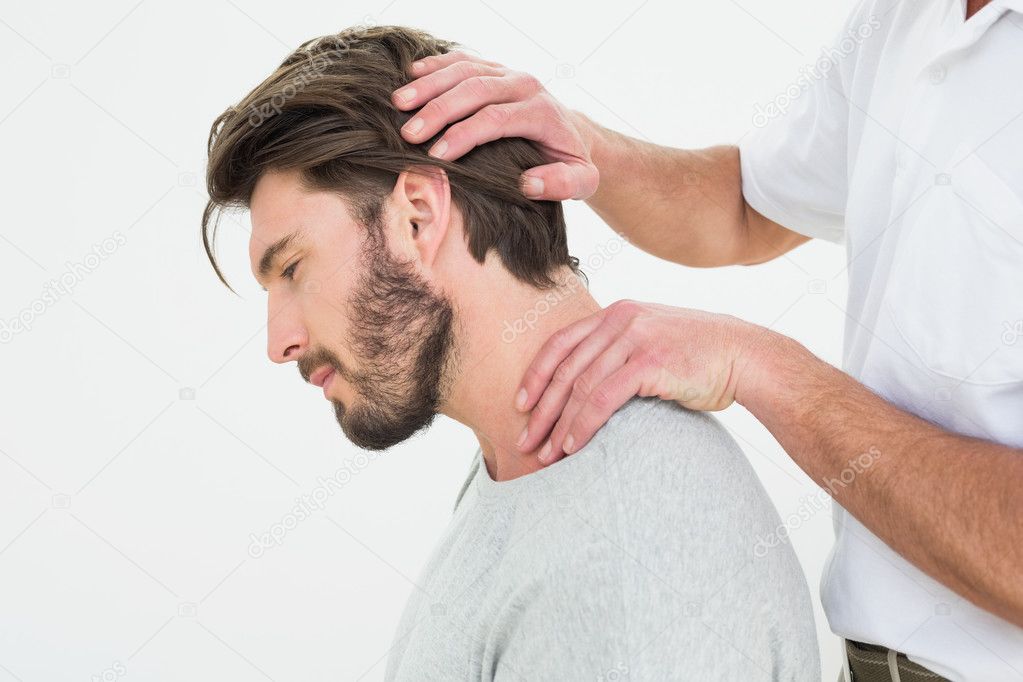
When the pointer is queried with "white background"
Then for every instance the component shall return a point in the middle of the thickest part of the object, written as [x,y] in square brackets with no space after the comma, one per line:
[144,435]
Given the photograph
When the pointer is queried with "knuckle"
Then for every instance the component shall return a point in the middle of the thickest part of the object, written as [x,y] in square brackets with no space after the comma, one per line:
[549,111]
[555,341]
[495,114]
[528,83]
[466,69]
[549,106]
[600,397]
[545,421]
[435,108]
[559,340]
[479,86]
[563,374]
[539,420]
[621,313]
[633,326]
[581,389]
[547,125]
[645,360]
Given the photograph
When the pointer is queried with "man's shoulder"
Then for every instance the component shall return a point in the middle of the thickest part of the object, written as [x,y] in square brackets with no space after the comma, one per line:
[654,521]
[654,417]
[655,440]
[654,468]
[665,479]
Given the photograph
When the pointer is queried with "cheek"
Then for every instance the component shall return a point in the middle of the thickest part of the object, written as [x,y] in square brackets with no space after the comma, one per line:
[323,302]
[325,308]
[327,320]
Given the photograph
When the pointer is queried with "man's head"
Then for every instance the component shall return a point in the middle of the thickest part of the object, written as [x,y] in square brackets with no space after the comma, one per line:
[359,237]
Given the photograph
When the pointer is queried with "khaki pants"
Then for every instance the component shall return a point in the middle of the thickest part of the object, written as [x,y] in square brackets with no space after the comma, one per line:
[870,663]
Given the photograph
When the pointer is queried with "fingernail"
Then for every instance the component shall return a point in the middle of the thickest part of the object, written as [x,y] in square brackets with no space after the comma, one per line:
[418,66]
[567,445]
[533,186]
[439,149]
[520,399]
[414,126]
[545,453]
[407,95]
[522,437]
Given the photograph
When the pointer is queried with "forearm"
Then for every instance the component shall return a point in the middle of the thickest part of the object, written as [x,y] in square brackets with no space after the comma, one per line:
[685,206]
[949,504]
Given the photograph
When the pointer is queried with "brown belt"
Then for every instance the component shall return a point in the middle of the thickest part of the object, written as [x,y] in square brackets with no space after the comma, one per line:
[872,663]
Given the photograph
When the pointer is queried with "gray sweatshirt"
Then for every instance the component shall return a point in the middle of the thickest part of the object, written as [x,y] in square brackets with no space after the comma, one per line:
[640,557]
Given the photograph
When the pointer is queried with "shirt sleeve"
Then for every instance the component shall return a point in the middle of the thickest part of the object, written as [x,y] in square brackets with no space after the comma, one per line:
[794,162]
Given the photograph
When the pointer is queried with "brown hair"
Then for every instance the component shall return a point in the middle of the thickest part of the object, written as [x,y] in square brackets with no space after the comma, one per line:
[327,111]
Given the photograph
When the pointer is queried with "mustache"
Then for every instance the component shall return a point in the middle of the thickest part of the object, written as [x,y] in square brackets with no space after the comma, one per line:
[309,362]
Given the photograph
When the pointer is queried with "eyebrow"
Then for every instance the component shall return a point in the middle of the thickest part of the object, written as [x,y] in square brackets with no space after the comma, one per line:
[266,262]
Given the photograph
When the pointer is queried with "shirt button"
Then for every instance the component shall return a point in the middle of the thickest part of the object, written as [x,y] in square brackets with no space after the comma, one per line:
[937,73]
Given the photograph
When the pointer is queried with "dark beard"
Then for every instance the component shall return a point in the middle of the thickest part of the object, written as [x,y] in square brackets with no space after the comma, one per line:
[402,335]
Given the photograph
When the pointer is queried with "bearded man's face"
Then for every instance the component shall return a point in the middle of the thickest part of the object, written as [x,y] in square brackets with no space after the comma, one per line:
[359,321]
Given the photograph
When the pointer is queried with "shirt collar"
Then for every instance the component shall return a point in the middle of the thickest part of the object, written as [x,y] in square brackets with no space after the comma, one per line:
[969,31]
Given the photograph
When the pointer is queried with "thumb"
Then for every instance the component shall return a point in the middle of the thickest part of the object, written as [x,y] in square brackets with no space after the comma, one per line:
[560,181]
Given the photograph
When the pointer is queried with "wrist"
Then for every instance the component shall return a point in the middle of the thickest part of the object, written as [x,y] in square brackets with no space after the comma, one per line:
[769,366]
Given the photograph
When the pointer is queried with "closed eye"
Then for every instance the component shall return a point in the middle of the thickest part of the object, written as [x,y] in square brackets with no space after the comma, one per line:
[289,272]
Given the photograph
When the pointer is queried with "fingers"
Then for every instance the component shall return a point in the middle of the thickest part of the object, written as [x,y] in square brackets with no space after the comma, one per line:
[467,97]
[422,90]
[490,123]
[428,65]
[483,101]
[561,181]
[615,392]
[551,354]
[596,395]
[560,393]
[518,117]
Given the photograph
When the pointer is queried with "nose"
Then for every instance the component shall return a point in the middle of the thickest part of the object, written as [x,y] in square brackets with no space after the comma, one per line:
[286,336]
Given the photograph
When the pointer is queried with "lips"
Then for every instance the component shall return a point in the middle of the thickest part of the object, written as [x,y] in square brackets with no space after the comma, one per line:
[319,377]
[327,382]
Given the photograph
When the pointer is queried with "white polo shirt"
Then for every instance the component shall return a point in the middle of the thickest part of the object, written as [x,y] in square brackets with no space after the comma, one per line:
[905,140]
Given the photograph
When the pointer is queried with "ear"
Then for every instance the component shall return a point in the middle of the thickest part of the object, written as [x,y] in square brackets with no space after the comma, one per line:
[422,204]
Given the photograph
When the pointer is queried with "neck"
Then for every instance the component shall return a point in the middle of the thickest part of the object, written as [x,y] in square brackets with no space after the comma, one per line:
[497,337]
[974,6]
